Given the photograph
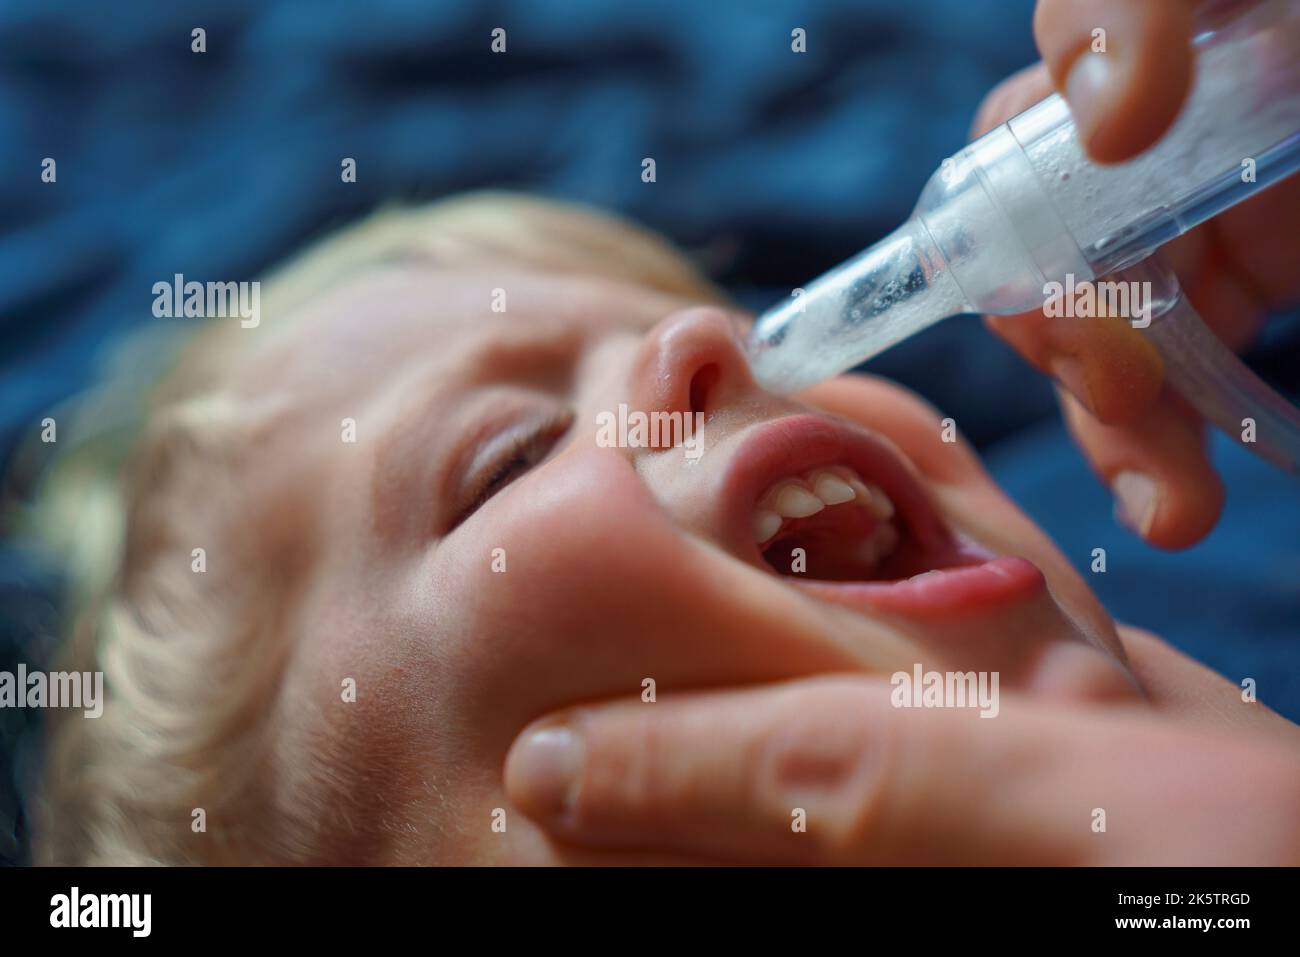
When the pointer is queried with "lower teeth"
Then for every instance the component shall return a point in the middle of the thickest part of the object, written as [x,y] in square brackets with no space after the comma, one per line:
[880,544]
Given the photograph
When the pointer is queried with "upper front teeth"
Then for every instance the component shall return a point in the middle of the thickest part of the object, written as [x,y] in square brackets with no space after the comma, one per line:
[832,490]
[765,524]
[799,498]
[795,502]
[875,500]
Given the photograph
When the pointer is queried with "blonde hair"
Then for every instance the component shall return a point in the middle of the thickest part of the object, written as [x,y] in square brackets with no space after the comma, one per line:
[190,661]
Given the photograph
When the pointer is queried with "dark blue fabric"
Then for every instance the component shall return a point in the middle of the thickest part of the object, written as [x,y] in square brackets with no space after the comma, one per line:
[217,164]
[771,166]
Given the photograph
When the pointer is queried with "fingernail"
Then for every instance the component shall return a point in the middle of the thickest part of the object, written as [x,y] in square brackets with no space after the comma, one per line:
[544,770]
[1068,371]
[1086,90]
[1136,500]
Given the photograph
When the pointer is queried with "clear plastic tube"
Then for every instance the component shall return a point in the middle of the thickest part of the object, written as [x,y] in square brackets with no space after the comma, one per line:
[1211,377]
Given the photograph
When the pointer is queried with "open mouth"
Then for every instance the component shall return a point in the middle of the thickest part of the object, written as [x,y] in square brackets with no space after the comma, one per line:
[831,524]
[835,510]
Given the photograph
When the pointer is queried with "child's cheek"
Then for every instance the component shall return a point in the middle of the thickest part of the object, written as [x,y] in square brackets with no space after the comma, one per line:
[581,534]
[591,580]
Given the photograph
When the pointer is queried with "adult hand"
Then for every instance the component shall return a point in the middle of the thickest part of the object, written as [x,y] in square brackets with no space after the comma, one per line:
[1202,778]
[1143,440]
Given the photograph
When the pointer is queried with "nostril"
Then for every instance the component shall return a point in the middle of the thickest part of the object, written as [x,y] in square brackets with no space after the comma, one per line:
[703,383]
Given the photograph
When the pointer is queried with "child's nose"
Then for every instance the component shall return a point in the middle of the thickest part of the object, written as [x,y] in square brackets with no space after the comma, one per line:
[691,361]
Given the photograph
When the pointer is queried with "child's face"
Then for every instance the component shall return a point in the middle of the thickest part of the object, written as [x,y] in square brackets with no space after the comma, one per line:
[476,558]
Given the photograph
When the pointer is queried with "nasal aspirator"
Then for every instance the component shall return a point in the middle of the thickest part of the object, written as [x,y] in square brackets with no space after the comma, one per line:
[1023,208]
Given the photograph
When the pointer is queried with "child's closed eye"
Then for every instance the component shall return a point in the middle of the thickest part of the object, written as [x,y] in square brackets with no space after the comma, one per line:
[510,454]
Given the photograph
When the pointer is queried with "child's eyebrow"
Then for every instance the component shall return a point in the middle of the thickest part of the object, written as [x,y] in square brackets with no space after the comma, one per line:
[546,357]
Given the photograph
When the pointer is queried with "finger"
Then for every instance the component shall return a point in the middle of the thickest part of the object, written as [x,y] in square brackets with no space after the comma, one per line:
[1110,367]
[728,773]
[1013,95]
[1156,466]
[719,773]
[1124,66]
[817,771]
[1257,241]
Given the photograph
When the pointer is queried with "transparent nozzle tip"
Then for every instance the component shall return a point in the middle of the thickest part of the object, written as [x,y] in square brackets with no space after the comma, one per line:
[860,308]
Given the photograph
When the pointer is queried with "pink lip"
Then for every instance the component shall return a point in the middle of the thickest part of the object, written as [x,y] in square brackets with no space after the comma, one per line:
[943,593]
[971,579]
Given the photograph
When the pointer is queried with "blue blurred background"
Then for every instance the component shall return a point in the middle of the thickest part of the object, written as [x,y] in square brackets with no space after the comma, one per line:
[771,167]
